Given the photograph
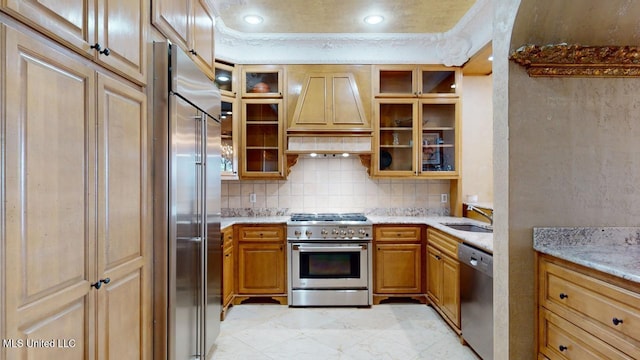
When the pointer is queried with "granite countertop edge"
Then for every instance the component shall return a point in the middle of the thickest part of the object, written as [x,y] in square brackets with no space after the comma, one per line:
[611,250]
[482,241]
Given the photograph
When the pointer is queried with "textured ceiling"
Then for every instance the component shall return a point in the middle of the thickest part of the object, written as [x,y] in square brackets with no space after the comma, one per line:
[343,16]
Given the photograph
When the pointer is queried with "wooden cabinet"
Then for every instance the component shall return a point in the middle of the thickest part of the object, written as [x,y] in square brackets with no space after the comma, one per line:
[398,265]
[443,275]
[112,32]
[261,269]
[77,246]
[417,138]
[229,138]
[191,25]
[226,79]
[416,81]
[228,273]
[585,314]
[262,139]
[329,101]
[262,81]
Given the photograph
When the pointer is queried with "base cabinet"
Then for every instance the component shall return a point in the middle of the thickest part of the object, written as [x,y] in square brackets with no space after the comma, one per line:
[228,271]
[443,275]
[261,268]
[585,314]
[398,254]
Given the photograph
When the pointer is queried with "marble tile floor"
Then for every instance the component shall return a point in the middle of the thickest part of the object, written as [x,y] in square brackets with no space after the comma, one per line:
[382,332]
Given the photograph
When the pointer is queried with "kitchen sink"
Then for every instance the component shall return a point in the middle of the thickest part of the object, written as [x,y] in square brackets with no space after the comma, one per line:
[470,228]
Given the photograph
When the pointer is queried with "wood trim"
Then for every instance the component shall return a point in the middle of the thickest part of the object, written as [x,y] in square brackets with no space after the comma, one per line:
[573,60]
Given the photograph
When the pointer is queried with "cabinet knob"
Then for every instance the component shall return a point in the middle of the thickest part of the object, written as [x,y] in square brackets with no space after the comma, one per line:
[96,46]
[563,296]
[227,255]
[562,348]
[617,321]
[438,257]
[106,52]
[192,51]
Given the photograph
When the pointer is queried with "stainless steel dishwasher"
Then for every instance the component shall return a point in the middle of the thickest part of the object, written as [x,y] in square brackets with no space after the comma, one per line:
[476,299]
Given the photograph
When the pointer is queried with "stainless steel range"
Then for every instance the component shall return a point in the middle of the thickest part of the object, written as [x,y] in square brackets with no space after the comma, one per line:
[329,260]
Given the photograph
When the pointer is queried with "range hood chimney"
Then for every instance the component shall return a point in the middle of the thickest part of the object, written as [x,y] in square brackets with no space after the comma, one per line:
[329,117]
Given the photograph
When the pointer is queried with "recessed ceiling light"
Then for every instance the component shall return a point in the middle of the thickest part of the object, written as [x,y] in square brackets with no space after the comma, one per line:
[313,154]
[373,19]
[345,154]
[490,58]
[253,19]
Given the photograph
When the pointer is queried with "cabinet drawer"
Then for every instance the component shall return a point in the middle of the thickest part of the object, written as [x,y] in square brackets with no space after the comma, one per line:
[261,233]
[444,242]
[560,339]
[398,233]
[610,309]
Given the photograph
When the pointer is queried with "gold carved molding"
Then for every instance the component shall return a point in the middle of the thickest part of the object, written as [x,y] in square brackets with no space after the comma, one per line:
[292,159]
[563,60]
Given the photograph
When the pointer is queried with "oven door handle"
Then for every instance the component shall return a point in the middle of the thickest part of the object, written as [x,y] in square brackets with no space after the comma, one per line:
[328,248]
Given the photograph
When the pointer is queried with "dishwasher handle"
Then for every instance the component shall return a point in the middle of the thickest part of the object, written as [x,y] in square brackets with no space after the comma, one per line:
[475,259]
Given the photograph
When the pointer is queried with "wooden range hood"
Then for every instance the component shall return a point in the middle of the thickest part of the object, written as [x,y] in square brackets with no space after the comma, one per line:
[329,117]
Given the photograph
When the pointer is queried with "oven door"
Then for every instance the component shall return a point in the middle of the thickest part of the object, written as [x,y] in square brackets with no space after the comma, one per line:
[329,266]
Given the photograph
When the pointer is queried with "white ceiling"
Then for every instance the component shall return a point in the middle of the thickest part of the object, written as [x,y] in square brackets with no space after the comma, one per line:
[332,31]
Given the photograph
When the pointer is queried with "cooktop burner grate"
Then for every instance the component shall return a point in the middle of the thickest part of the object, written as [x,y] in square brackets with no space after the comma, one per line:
[328,217]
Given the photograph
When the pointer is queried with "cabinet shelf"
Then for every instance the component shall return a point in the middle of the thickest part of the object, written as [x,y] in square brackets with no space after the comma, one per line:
[397,146]
[437,128]
[396,129]
[262,147]
[439,146]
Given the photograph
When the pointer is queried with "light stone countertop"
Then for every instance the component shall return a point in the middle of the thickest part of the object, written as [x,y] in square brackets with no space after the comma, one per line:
[612,250]
[483,241]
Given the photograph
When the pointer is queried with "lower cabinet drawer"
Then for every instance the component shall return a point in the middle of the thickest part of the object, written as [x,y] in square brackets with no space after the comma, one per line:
[560,339]
[261,233]
[564,290]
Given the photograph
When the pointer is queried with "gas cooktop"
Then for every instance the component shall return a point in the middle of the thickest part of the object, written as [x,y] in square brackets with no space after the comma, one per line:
[329,217]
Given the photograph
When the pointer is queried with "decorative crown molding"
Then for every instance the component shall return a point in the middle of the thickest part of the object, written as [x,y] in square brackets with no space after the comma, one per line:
[572,60]
[452,48]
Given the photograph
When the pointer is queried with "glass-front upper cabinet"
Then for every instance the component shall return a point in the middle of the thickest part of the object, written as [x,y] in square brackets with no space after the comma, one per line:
[417,138]
[415,81]
[395,128]
[263,81]
[226,78]
[439,138]
[262,139]
[229,137]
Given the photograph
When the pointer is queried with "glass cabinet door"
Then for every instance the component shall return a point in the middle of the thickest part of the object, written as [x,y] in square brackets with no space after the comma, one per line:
[262,140]
[438,137]
[434,82]
[229,140]
[262,81]
[395,138]
[225,78]
[394,81]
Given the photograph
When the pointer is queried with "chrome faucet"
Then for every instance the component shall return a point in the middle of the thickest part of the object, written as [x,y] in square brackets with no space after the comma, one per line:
[481,213]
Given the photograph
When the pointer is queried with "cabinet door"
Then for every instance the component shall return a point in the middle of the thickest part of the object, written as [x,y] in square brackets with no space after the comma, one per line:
[49,180]
[262,139]
[262,81]
[451,289]
[69,21]
[171,18]
[261,268]
[439,138]
[227,275]
[202,44]
[123,248]
[121,29]
[395,129]
[229,136]
[398,269]
[395,81]
[434,274]
[438,81]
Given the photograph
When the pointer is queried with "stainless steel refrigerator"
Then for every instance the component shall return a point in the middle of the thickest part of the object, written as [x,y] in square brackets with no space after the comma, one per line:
[187,252]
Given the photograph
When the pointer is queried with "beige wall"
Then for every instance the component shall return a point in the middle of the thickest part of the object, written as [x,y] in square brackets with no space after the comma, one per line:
[566,150]
[330,185]
[477,138]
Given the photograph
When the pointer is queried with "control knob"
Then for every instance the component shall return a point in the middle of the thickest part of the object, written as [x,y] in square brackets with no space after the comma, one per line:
[297,233]
[324,232]
[334,231]
[308,233]
[343,233]
[351,232]
[362,232]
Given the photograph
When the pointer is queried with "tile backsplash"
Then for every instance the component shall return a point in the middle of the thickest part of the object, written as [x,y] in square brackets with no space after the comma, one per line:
[336,185]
